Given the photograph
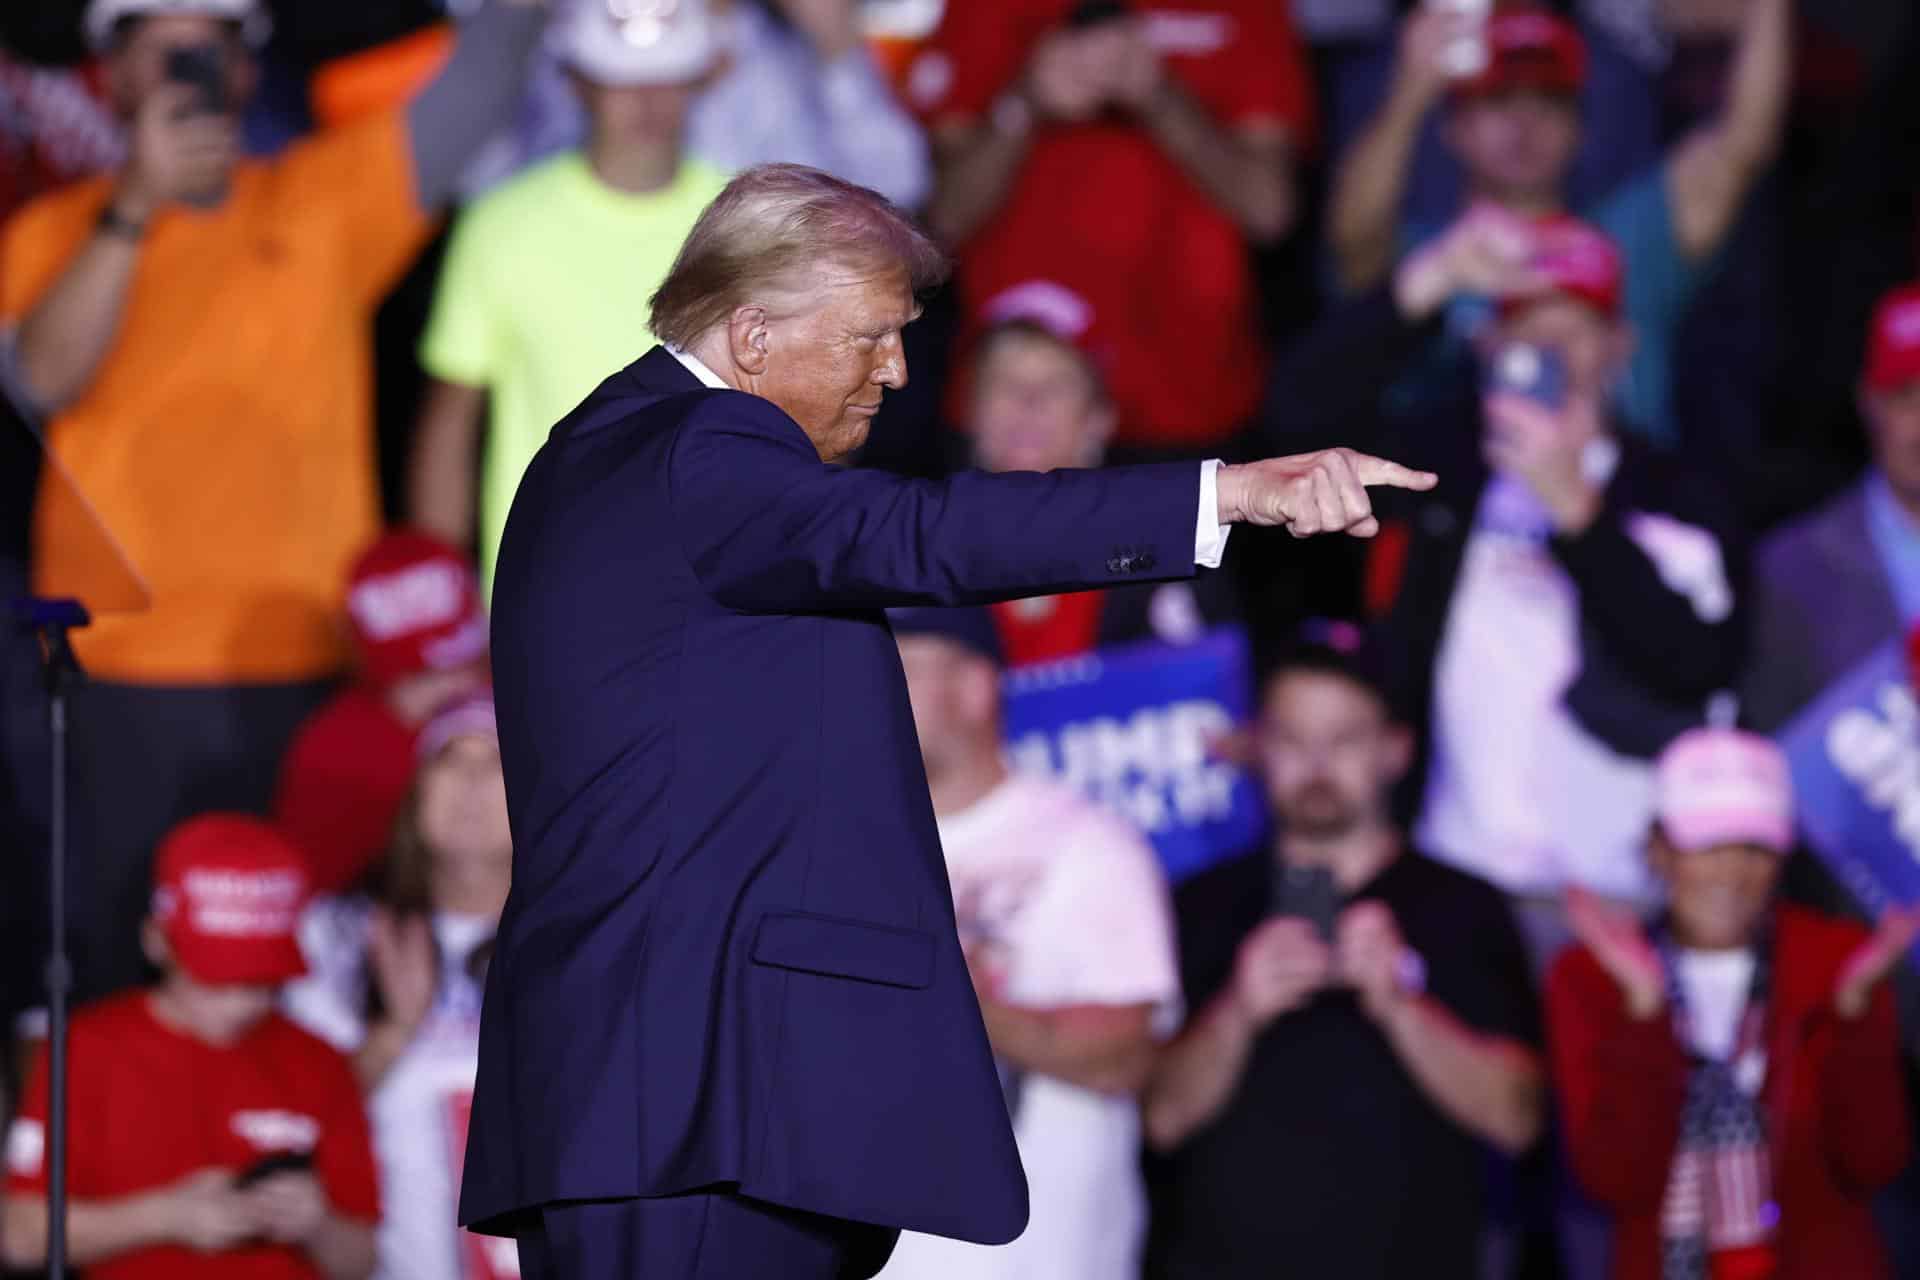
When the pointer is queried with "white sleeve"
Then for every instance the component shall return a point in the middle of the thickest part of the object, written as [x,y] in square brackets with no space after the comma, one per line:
[330,1001]
[1114,898]
[1209,535]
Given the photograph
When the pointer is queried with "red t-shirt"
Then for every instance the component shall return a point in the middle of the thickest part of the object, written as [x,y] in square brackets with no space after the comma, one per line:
[342,784]
[1043,628]
[149,1105]
[1103,210]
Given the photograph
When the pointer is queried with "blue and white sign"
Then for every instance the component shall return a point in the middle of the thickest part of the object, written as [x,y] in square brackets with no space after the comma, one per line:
[1138,728]
[1855,754]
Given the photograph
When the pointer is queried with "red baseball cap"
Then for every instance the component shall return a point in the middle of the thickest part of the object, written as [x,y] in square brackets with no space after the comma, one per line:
[1054,309]
[414,603]
[228,890]
[1529,48]
[1893,353]
[1577,260]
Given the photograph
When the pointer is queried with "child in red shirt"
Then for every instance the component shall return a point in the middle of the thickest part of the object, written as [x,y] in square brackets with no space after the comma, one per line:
[209,1136]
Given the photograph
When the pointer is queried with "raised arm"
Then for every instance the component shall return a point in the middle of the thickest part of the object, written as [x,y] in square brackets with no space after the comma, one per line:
[1245,169]
[66,335]
[1711,171]
[1363,212]
[474,95]
[869,138]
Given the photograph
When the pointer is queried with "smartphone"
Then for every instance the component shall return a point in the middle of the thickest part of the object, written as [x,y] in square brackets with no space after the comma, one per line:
[272,1165]
[202,68]
[1308,893]
[1467,55]
[1091,13]
[1527,369]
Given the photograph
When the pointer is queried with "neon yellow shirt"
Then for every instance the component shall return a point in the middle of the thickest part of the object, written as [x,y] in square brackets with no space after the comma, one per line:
[543,294]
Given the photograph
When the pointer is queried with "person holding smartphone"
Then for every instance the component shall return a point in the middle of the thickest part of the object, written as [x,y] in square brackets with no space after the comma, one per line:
[211,1137]
[1133,153]
[1567,600]
[1362,1020]
[195,329]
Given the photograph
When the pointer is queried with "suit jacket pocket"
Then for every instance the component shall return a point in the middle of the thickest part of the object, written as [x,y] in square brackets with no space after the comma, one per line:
[843,948]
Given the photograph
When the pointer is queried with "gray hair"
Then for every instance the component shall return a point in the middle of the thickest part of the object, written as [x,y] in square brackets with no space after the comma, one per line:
[772,223]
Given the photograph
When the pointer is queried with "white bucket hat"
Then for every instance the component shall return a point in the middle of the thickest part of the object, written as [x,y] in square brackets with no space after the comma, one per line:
[636,42]
[256,24]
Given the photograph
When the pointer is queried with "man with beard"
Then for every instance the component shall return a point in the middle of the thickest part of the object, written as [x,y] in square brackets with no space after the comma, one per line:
[1362,1020]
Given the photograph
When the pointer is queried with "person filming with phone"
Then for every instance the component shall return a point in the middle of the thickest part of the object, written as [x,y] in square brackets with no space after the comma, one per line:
[1361,1018]
[1564,604]
[196,331]
[214,1139]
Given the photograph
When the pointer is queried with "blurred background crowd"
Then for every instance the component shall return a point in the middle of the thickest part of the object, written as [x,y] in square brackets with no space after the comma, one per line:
[1549,951]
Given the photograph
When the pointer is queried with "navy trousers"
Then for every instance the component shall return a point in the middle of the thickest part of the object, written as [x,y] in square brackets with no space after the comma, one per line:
[703,1236]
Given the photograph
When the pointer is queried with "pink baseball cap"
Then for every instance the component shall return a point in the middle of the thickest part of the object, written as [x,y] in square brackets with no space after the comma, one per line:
[1724,786]
[1893,351]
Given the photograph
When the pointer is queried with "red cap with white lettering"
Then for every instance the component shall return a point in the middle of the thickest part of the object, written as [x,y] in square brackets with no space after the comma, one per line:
[415,606]
[1893,354]
[228,890]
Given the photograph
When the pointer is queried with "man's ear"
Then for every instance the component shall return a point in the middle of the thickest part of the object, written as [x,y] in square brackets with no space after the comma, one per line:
[1399,753]
[1660,854]
[154,943]
[748,340]
[980,688]
[1102,418]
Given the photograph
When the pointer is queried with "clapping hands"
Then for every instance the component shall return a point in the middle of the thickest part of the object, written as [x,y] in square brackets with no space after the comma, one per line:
[1875,958]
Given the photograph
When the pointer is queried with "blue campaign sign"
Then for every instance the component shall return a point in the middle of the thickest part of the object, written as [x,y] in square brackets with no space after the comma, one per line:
[1136,728]
[1856,778]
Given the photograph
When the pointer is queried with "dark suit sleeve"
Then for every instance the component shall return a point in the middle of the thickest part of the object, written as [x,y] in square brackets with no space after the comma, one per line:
[768,527]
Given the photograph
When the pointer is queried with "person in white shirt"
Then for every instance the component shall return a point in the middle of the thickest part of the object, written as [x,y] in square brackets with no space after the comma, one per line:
[394,981]
[1069,935]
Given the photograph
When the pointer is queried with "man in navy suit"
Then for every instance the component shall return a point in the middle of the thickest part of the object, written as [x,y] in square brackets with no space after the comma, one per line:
[729,1029]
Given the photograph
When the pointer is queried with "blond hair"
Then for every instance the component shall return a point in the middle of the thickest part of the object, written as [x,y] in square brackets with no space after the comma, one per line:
[772,223]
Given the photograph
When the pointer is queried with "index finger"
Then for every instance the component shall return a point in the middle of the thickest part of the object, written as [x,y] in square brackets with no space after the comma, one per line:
[1373,471]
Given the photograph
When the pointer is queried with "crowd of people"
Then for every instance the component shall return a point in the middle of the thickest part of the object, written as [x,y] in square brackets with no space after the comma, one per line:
[1531,972]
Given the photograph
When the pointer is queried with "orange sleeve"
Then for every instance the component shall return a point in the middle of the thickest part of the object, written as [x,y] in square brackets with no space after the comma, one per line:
[38,242]
[363,173]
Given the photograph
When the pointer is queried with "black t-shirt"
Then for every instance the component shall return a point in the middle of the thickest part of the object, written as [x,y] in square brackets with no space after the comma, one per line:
[1329,1160]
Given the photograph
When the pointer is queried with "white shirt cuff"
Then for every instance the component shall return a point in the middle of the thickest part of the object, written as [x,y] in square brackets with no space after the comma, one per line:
[1209,535]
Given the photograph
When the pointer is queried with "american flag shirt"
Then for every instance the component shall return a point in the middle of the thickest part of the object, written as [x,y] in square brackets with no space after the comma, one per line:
[1719,1200]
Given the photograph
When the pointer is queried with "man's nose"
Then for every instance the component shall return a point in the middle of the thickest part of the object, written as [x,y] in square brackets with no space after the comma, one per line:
[892,371]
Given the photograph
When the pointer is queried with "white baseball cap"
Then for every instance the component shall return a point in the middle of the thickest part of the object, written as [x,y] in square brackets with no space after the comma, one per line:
[1722,786]
[636,42]
[256,24]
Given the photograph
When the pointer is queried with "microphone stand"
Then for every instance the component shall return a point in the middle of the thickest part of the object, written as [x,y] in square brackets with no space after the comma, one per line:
[50,621]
